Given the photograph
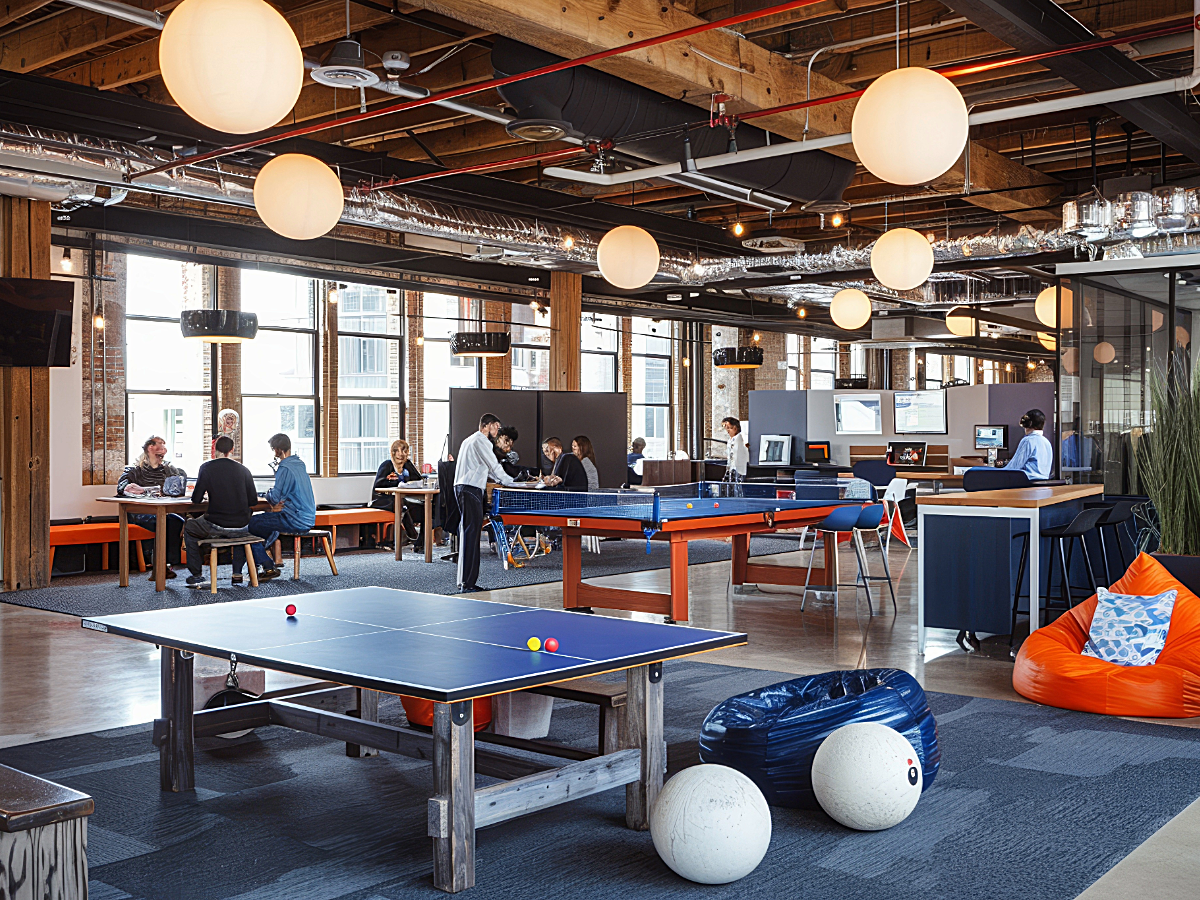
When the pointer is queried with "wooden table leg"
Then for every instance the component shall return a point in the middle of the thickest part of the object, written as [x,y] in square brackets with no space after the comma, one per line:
[452,809]
[741,554]
[398,527]
[427,528]
[679,578]
[368,710]
[173,732]
[644,731]
[123,519]
[160,548]
[572,551]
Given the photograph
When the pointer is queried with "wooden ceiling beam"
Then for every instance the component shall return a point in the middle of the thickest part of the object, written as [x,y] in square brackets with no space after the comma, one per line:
[11,10]
[60,37]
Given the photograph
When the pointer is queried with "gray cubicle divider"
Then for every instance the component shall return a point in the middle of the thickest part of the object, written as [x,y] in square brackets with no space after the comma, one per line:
[516,408]
[538,415]
[779,412]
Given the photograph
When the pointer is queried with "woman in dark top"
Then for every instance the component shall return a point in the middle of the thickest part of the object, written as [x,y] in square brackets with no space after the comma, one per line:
[393,472]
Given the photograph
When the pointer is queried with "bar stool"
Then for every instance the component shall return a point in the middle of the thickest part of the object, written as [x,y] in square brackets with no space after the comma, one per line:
[1078,527]
[1117,513]
[871,519]
[842,520]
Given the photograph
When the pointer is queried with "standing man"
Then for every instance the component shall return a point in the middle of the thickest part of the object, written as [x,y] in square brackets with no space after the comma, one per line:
[230,489]
[568,471]
[293,508]
[476,461]
[739,453]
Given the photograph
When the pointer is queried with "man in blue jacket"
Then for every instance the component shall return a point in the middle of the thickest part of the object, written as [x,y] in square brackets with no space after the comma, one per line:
[293,509]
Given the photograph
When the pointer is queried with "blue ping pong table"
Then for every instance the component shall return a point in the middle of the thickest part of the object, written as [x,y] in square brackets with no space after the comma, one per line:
[448,649]
[677,514]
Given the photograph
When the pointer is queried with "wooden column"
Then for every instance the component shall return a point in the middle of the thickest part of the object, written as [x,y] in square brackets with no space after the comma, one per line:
[566,311]
[229,356]
[497,370]
[329,388]
[625,361]
[453,805]
[644,731]
[25,412]
[414,371]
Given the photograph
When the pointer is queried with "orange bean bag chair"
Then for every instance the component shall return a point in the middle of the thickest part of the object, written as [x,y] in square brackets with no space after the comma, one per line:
[1052,669]
[420,712]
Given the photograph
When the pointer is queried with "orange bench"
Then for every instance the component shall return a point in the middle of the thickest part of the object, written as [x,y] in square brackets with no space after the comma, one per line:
[102,533]
[365,515]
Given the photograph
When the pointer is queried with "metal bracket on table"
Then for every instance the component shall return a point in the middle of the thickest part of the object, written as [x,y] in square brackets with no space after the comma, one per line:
[460,711]
[655,672]
[438,818]
[162,732]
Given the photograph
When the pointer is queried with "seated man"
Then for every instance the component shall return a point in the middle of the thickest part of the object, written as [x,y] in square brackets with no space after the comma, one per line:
[230,489]
[151,472]
[1035,454]
[293,508]
[509,459]
[633,458]
[568,472]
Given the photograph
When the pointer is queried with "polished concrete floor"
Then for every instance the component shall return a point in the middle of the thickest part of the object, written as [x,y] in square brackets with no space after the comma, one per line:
[57,679]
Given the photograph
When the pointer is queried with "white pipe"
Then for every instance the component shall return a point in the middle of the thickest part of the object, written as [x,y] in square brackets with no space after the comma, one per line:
[149,19]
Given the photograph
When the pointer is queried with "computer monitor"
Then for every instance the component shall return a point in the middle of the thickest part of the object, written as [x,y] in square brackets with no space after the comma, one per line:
[991,437]
[857,414]
[920,412]
[906,453]
[775,448]
[816,451]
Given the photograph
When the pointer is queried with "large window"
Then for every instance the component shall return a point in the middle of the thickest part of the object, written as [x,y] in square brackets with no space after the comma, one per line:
[652,386]
[279,385]
[167,377]
[370,360]
[530,348]
[933,370]
[443,315]
[598,343]
[824,358]
[795,362]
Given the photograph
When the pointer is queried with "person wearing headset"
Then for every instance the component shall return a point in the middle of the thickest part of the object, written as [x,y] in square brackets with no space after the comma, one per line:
[1034,455]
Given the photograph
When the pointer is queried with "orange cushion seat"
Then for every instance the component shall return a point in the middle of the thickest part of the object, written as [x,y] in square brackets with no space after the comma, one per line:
[1052,669]
[95,533]
[361,516]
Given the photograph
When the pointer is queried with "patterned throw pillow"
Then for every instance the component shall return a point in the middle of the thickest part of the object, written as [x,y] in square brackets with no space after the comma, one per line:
[1129,630]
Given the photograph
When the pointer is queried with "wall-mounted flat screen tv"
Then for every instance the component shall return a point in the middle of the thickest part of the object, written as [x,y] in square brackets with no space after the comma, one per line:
[857,414]
[35,322]
[920,412]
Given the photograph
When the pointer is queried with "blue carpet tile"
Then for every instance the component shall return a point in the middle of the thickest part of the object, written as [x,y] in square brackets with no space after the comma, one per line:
[1030,802]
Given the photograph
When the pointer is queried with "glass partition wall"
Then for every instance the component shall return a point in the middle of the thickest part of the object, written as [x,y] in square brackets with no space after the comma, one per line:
[1116,333]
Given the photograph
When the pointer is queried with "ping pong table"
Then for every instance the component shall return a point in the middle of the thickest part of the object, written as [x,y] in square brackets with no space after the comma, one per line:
[677,514]
[447,649]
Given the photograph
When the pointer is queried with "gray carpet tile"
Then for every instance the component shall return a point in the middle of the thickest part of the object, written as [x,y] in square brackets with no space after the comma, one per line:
[1029,802]
[97,593]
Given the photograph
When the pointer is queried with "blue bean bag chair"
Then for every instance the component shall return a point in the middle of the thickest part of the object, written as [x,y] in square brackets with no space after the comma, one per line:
[772,734]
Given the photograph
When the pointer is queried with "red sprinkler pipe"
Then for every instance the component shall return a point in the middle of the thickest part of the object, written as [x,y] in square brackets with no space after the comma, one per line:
[479,167]
[481,86]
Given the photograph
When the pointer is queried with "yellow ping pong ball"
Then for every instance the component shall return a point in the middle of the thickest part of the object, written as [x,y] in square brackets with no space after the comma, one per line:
[533,644]
[689,506]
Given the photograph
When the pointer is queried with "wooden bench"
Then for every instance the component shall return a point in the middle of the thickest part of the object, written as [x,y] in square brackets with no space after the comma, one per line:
[366,515]
[214,546]
[608,695]
[102,533]
[317,535]
[43,838]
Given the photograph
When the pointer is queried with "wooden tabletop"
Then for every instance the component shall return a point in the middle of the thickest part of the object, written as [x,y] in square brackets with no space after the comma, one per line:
[168,502]
[410,489]
[1016,498]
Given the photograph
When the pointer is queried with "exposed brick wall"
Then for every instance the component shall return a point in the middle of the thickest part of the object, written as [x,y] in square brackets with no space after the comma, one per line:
[706,379]
[900,373]
[414,407]
[726,383]
[772,375]
[625,364]
[330,433]
[843,361]
[229,376]
[497,370]
[102,356]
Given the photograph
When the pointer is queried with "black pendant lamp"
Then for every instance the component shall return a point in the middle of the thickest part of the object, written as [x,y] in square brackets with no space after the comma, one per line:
[218,326]
[738,357]
[480,343]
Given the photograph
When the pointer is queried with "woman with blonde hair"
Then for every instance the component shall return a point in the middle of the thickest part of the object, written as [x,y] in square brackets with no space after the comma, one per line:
[149,475]
[393,472]
[581,447]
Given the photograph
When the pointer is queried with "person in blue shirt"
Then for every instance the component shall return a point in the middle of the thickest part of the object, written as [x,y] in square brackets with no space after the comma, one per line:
[1035,454]
[293,508]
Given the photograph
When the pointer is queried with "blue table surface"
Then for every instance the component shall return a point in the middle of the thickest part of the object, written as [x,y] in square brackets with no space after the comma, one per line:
[444,648]
[674,509]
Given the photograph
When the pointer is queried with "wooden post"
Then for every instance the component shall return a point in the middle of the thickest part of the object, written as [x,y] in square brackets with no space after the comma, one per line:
[368,711]
[452,809]
[566,310]
[644,731]
[497,370]
[25,412]
[329,389]
[572,551]
[679,578]
[229,383]
[173,732]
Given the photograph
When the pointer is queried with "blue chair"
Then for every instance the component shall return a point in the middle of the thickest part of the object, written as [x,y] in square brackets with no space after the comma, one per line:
[771,734]
[877,471]
[871,519]
[842,520]
[982,478]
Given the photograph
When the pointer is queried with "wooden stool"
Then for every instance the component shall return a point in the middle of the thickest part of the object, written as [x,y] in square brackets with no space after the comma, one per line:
[43,837]
[211,547]
[317,535]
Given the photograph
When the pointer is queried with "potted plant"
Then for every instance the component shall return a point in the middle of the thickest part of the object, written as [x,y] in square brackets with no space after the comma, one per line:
[1169,465]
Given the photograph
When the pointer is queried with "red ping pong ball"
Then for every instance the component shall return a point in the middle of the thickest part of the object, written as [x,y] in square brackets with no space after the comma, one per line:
[290,609]
[552,645]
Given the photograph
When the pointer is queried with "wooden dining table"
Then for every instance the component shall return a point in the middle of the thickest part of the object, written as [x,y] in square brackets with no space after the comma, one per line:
[416,489]
[160,506]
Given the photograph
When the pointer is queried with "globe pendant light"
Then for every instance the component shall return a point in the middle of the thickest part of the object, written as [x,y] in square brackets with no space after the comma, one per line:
[480,344]
[902,259]
[218,326]
[628,257]
[738,357]
[1047,340]
[233,65]
[959,323]
[910,126]
[1104,353]
[850,309]
[1045,307]
[298,196]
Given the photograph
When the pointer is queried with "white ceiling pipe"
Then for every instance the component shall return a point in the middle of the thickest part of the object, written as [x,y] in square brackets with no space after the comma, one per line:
[147,18]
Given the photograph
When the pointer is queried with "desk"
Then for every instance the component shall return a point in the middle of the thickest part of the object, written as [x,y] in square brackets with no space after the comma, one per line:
[413,490]
[964,565]
[160,506]
[674,515]
[447,649]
